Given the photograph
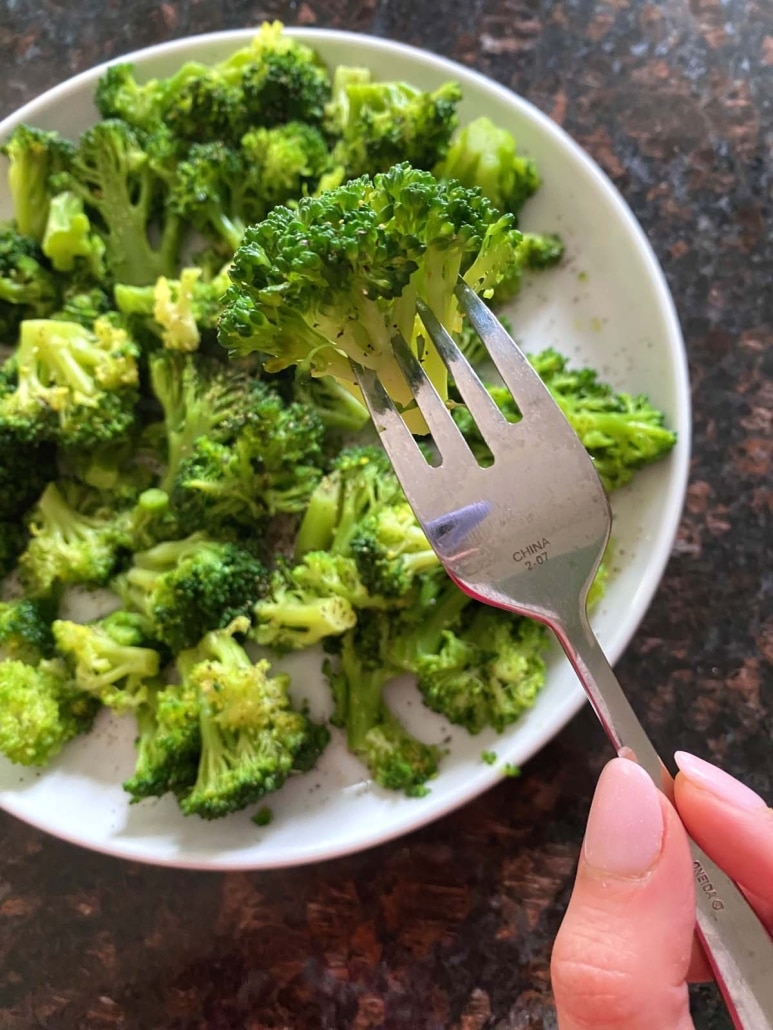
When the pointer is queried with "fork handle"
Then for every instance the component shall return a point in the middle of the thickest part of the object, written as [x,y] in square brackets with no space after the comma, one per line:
[737,945]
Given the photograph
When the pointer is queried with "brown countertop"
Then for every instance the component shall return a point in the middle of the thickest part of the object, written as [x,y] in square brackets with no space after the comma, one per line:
[452,926]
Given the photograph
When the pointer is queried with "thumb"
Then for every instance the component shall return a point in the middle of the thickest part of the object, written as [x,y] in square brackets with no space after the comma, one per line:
[621,956]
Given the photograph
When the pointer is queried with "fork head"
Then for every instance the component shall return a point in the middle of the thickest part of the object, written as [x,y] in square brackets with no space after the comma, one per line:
[528,531]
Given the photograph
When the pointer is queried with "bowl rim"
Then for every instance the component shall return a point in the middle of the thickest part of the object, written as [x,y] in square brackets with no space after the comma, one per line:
[679,460]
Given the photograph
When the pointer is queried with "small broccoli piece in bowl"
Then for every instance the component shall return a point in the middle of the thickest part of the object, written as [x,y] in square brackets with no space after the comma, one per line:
[177,311]
[357,676]
[109,659]
[252,738]
[126,193]
[73,539]
[621,432]
[25,628]
[76,386]
[379,124]
[69,241]
[484,155]
[34,156]
[310,601]
[168,741]
[184,588]
[391,550]
[28,288]
[41,709]
[270,465]
[487,674]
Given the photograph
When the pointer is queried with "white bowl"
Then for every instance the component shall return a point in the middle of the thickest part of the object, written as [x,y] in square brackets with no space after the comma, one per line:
[607,305]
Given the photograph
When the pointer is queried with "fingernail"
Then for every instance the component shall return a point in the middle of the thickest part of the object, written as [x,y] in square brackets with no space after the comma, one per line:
[625,825]
[717,782]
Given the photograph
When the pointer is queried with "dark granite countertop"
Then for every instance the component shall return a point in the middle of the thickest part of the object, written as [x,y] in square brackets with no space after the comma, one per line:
[452,926]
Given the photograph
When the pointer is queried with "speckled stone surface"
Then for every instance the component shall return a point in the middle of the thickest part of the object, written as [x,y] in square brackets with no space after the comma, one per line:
[452,926]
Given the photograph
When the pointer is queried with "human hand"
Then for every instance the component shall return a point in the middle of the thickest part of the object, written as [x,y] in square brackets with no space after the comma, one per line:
[624,954]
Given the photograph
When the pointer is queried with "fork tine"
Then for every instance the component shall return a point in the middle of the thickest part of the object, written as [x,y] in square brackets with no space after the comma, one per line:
[396,437]
[445,432]
[511,363]
[475,395]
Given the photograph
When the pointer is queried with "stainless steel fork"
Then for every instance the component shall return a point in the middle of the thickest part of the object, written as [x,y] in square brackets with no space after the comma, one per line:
[527,534]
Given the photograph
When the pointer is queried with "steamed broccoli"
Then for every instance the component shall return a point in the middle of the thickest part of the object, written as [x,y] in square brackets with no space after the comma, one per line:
[336,280]
[271,81]
[28,289]
[168,741]
[308,601]
[536,252]
[74,385]
[69,241]
[176,310]
[200,397]
[391,550]
[252,738]
[34,156]
[184,588]
[270,465]
[487,674]
[109,659]
[120,187]
[25,629]
[396,760]
[379,124]
[484,155]
[40,710]
[360,482]
[68,545]
[620,432]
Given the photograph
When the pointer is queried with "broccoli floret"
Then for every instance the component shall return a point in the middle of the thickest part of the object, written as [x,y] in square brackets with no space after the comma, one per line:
[141,105]
[395,759]
[252,738]
[360,482]
[34,156]
[336,404]
[40,710]
[273,80]
[336,279]
[379,124]
[285,162]
[68,240]
[184,588]
[108,659]
[311,600]
[621,432]
[168,742]
[112,174]
[488,674]
[536,252]
[68,545]
[200,397]
[391,550]
[28,289]
[74,385]
[25,629]
[282,79]
[82,303]
[482,154]
[212,192]
[176,310]
[270,466]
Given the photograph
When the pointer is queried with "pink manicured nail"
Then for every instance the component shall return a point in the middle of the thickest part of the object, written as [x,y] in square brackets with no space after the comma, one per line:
[717,782]
[625,826]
